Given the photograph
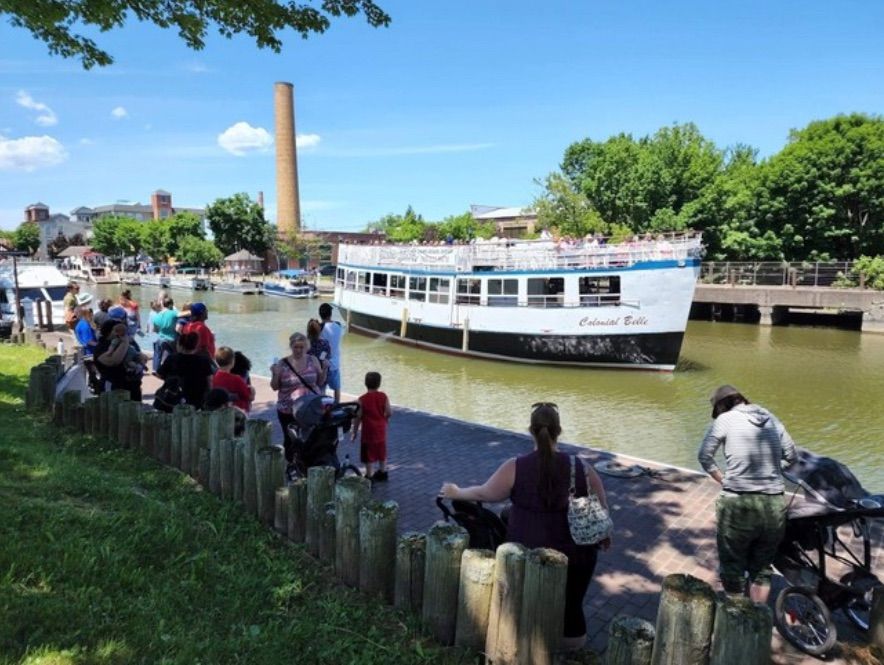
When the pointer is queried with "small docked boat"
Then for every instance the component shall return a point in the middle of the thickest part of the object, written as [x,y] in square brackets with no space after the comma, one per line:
[291,284]
[37,282]
[190,278]
[244,287]
[584,303]
[155,279]
[131,279]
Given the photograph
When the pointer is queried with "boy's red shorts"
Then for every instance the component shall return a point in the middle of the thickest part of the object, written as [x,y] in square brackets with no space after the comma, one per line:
[373,452]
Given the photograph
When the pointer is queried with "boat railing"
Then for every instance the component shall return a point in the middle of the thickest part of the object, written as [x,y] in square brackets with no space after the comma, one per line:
[522,255]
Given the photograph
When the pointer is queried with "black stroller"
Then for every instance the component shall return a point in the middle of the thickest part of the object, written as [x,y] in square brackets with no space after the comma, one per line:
[826,553]
[313,438]
[487,529]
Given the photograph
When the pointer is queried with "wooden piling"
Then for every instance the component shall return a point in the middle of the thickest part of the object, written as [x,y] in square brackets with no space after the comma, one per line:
[215,466]
[351,495]
[163,437]
[135,422]
[200,439]
[103,419]
[377,549]
[411,553]
[630,641]
[876,618]
[203,468]
[115,399]
[70,399]
[684,622]
[542,620]
[148,432]
[237,480]
[281,507]
[445,546]
[502,639]
[126,411]
[90,413]
[474,599]
[297,511]
[226,449]
[327,534]
[180,440]
[741,631]
[268,479]
[320,491]
[249,482]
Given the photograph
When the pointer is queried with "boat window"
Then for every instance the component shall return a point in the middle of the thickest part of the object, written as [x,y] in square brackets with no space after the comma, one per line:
[468,291]
[379,283]
[397,286]
[417,288]
[35,294]
[599,291]
[339,276]
[3,300]
[439,289]
[503,292]
[546,291]
[56,292]
[351,280]
[362,281]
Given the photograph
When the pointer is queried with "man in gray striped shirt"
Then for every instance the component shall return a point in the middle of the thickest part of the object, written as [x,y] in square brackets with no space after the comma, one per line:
[750,510]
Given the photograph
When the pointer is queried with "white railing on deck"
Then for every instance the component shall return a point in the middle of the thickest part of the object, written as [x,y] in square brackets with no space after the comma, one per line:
[521,254]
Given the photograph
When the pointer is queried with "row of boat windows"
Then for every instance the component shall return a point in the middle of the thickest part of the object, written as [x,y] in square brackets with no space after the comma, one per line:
[490,291]
[34,293]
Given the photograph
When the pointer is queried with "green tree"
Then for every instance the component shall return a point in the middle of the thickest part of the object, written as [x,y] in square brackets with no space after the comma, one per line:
[464,227]
[27,237]
[401,228]
[104,234]
[199,253]
[237,223]
[823,194]
[60,24]
[129,236]
[157,242]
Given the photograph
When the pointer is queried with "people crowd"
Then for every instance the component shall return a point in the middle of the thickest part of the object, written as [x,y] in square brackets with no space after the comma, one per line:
[540,485]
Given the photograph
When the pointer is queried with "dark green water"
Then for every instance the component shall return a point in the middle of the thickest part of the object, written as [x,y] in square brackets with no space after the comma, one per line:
[826,385]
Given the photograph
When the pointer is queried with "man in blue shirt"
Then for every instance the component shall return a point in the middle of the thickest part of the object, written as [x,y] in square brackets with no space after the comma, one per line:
[331,333]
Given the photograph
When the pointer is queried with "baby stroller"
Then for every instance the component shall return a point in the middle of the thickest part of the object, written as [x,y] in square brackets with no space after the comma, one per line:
[487,529]
[313,437]
[825,555]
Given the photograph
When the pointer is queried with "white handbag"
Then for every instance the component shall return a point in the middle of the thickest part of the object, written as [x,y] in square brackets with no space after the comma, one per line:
[588,520]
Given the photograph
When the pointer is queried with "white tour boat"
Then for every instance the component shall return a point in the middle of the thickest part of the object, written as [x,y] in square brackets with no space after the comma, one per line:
[155,279]
[244,286]
[291,283]
[189,278]
[588,304]
[36,282]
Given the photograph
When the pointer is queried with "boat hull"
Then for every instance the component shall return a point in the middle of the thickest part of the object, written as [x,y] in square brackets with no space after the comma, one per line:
[655,351]
[275,290]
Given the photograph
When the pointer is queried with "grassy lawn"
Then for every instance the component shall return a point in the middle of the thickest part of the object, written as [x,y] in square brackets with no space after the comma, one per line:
[107,557]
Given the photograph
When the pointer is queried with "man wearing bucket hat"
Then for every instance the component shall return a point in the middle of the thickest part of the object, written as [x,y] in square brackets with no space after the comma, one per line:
[750,510]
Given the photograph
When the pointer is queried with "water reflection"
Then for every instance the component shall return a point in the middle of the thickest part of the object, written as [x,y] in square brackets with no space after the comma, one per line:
[825,384]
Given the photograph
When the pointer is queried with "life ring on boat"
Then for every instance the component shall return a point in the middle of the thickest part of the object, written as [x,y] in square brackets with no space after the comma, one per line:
[618,470]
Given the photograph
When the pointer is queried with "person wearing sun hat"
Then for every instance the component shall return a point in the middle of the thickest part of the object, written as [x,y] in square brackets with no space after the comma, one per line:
[750,510]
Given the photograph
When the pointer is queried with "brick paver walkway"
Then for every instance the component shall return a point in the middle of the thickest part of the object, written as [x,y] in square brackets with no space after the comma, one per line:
[664,522]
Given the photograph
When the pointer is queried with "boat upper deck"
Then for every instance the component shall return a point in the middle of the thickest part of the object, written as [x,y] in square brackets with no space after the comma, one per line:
[523,255]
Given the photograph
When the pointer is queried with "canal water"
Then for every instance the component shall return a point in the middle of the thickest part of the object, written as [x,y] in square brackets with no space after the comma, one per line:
[826,385]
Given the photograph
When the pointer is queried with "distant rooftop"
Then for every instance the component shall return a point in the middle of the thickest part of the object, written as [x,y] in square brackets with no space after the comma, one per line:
[495,212]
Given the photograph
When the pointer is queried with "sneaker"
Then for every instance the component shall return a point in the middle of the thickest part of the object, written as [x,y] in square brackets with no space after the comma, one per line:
[380,476]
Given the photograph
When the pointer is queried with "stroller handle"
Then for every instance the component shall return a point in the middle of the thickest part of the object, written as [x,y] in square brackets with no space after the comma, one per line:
[441,503]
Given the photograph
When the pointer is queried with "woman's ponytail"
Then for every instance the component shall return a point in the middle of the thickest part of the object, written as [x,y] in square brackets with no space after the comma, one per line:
[545,429]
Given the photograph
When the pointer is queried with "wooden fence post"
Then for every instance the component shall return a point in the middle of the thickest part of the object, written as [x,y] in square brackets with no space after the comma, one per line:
[630,641]
[281,507]
[215,466]
[445,546]
[327,534]
[226,449]
[79,414]
[113,422]
[101,421]
[200,439]
[741,632]
[70,400]
[876,618]
[163,437]
[126,410]
[269,476]
[411,555]
[135,423]
[181,430]
[684,622]
[148,432]
[377,548]
[542,620]
[351,494]
[90,409]
[297,512]
[44,396]
[502,641]
[474,599]
[203,467]
[237,447]
[320,491]
[249,482]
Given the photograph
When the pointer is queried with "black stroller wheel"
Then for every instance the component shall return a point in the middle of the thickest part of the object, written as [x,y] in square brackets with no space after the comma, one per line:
[859,608]
[804,620]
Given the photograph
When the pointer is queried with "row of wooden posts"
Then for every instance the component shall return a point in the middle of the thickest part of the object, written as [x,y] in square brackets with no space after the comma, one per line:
[506,604]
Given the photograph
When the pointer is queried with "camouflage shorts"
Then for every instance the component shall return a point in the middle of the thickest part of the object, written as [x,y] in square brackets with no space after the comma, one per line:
[750,528]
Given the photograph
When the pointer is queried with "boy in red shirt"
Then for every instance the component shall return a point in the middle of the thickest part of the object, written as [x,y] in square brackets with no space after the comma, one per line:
[241,394]
[198,315]
[374,412]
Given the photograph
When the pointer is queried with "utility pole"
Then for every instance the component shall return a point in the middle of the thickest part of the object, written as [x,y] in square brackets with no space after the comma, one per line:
[18,310]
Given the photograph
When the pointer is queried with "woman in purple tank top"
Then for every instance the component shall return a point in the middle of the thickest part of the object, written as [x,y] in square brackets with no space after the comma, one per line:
[538,484]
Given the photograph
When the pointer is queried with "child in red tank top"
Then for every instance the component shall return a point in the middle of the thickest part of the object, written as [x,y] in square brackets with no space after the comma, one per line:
[374,412]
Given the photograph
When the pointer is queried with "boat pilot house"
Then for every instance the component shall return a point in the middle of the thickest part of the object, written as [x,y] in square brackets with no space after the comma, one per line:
[620,305]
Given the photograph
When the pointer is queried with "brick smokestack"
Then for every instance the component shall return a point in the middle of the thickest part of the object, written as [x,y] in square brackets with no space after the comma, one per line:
[288,205]
[261,200]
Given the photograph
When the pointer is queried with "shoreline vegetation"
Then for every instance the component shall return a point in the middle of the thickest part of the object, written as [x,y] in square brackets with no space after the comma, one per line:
[109,557]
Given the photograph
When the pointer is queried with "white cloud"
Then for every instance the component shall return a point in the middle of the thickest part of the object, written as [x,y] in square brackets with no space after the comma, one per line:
[119,113]
[196,67]
[241,138]
[45,116]
[86,141]
[307,140]
[30,153]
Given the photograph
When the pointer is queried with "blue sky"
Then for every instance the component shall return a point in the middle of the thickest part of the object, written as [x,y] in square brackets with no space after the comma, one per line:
[457,102]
